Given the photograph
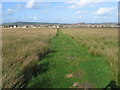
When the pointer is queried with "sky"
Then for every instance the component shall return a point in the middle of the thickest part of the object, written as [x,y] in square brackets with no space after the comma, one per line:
[60,12]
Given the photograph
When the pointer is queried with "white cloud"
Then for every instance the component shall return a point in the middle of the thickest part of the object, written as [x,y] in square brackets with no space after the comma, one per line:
[31,4]
[82,3]
[86,1]
[104,11]
[78,12]
[10,10]
[81,12]
[34,4]
[32,17]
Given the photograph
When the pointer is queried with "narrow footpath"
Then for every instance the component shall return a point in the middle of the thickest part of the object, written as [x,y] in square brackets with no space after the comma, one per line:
[70,65]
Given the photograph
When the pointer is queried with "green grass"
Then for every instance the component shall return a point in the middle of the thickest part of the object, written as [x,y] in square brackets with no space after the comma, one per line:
[69,57]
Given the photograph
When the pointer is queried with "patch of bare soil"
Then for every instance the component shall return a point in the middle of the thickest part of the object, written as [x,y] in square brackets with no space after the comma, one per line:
[69,75]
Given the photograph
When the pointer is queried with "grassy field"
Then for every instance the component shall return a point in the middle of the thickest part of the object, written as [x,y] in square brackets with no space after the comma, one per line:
[99,42]
[71,63]
[22,49]
[84,56]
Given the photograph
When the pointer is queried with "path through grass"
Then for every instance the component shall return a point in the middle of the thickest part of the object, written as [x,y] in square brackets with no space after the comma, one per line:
[70,64]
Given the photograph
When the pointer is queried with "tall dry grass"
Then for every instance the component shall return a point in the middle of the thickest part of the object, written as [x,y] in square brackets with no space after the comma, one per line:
[22,49]
[99,41]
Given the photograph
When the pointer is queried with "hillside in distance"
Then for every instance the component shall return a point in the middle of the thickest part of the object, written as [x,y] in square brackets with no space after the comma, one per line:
[30,23]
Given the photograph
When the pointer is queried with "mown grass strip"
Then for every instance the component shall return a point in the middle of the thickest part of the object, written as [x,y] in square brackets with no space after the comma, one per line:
[71,63]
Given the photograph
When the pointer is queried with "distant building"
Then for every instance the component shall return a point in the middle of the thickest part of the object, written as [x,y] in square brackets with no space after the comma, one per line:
[77,25]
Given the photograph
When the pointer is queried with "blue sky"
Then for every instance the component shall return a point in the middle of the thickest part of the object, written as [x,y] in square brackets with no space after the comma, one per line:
[60,12]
